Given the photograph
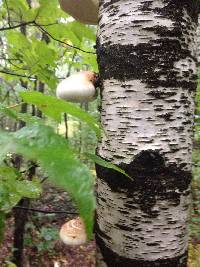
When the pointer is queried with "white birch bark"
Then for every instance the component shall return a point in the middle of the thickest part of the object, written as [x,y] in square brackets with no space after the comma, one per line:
[198,42]
[147,111]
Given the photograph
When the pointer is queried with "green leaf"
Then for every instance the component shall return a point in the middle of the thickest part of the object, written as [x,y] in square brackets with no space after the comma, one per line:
[8,196]
[10,264]
[17,41]
[17,116]
[6,111]
[90,60]
[106,164]
[19,7]
[49,12]
[13,188]
[41,143]
[45,54]
[53,107]
[83,31]
[63,32]
[29,189]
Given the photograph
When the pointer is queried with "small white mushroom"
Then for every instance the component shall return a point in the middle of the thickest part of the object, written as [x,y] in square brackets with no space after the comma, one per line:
[73,232]
[79,87]
[56,264]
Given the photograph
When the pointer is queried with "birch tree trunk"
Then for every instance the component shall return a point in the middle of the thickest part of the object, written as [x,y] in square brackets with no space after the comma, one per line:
[198,42]
[146,56]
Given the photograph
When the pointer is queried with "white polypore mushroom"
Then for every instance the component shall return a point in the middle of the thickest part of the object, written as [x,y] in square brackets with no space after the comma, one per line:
[85,11]
[73,232]
[79,87]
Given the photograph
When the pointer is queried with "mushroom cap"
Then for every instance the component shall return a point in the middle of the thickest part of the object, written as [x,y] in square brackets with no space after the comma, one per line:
[78,88]
[85,11]
[73,232]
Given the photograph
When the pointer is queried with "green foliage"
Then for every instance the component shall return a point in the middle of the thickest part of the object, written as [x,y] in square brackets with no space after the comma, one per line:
[48,12]
[106,164]
[6,111]
[10,264]
[19,7]
[48,236]
[48,40]
[195,219]
[53,107]
[196,162]
[41,143]
[13,188]
[46,47]
[82,31]
[12,113]
[43,238]
[36,57]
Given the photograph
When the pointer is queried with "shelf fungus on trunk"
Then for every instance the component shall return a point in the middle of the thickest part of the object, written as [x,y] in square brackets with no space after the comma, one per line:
[80,87]
[85,11]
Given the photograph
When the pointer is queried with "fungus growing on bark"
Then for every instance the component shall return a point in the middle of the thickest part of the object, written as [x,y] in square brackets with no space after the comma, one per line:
[85,11]
[79,87]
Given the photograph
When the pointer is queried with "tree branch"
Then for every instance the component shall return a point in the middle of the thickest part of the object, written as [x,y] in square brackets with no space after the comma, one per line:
[17,26]
[8,12]
[44,211]
[5,97]
[16,74]
[62,42]
[40,26]
[30,23]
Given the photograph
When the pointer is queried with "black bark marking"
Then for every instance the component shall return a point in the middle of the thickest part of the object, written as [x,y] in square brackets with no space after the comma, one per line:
[152,181]
[173,9]
[134,62]
[112,259]
[150,61]
[174,6]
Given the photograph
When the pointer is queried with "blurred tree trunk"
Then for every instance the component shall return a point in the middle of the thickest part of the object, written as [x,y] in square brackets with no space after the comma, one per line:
[146,55]
[21,215]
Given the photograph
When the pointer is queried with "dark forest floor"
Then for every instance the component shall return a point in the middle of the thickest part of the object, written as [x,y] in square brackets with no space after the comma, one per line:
[42,245]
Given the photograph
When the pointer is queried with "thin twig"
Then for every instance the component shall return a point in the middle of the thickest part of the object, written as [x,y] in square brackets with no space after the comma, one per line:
[9,59]
[62,42]
[15,105]
[34,23]
[14,65]
[5,97]
[46,25]
[43,180]
[16,74]
[44,211]
[17,26]
[30,23]
[12,89]
[8,12]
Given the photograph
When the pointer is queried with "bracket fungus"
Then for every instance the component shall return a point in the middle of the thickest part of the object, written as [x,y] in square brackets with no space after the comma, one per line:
[79,87]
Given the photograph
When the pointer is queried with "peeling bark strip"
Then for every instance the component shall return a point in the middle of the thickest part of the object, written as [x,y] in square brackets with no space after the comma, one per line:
[146,54]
